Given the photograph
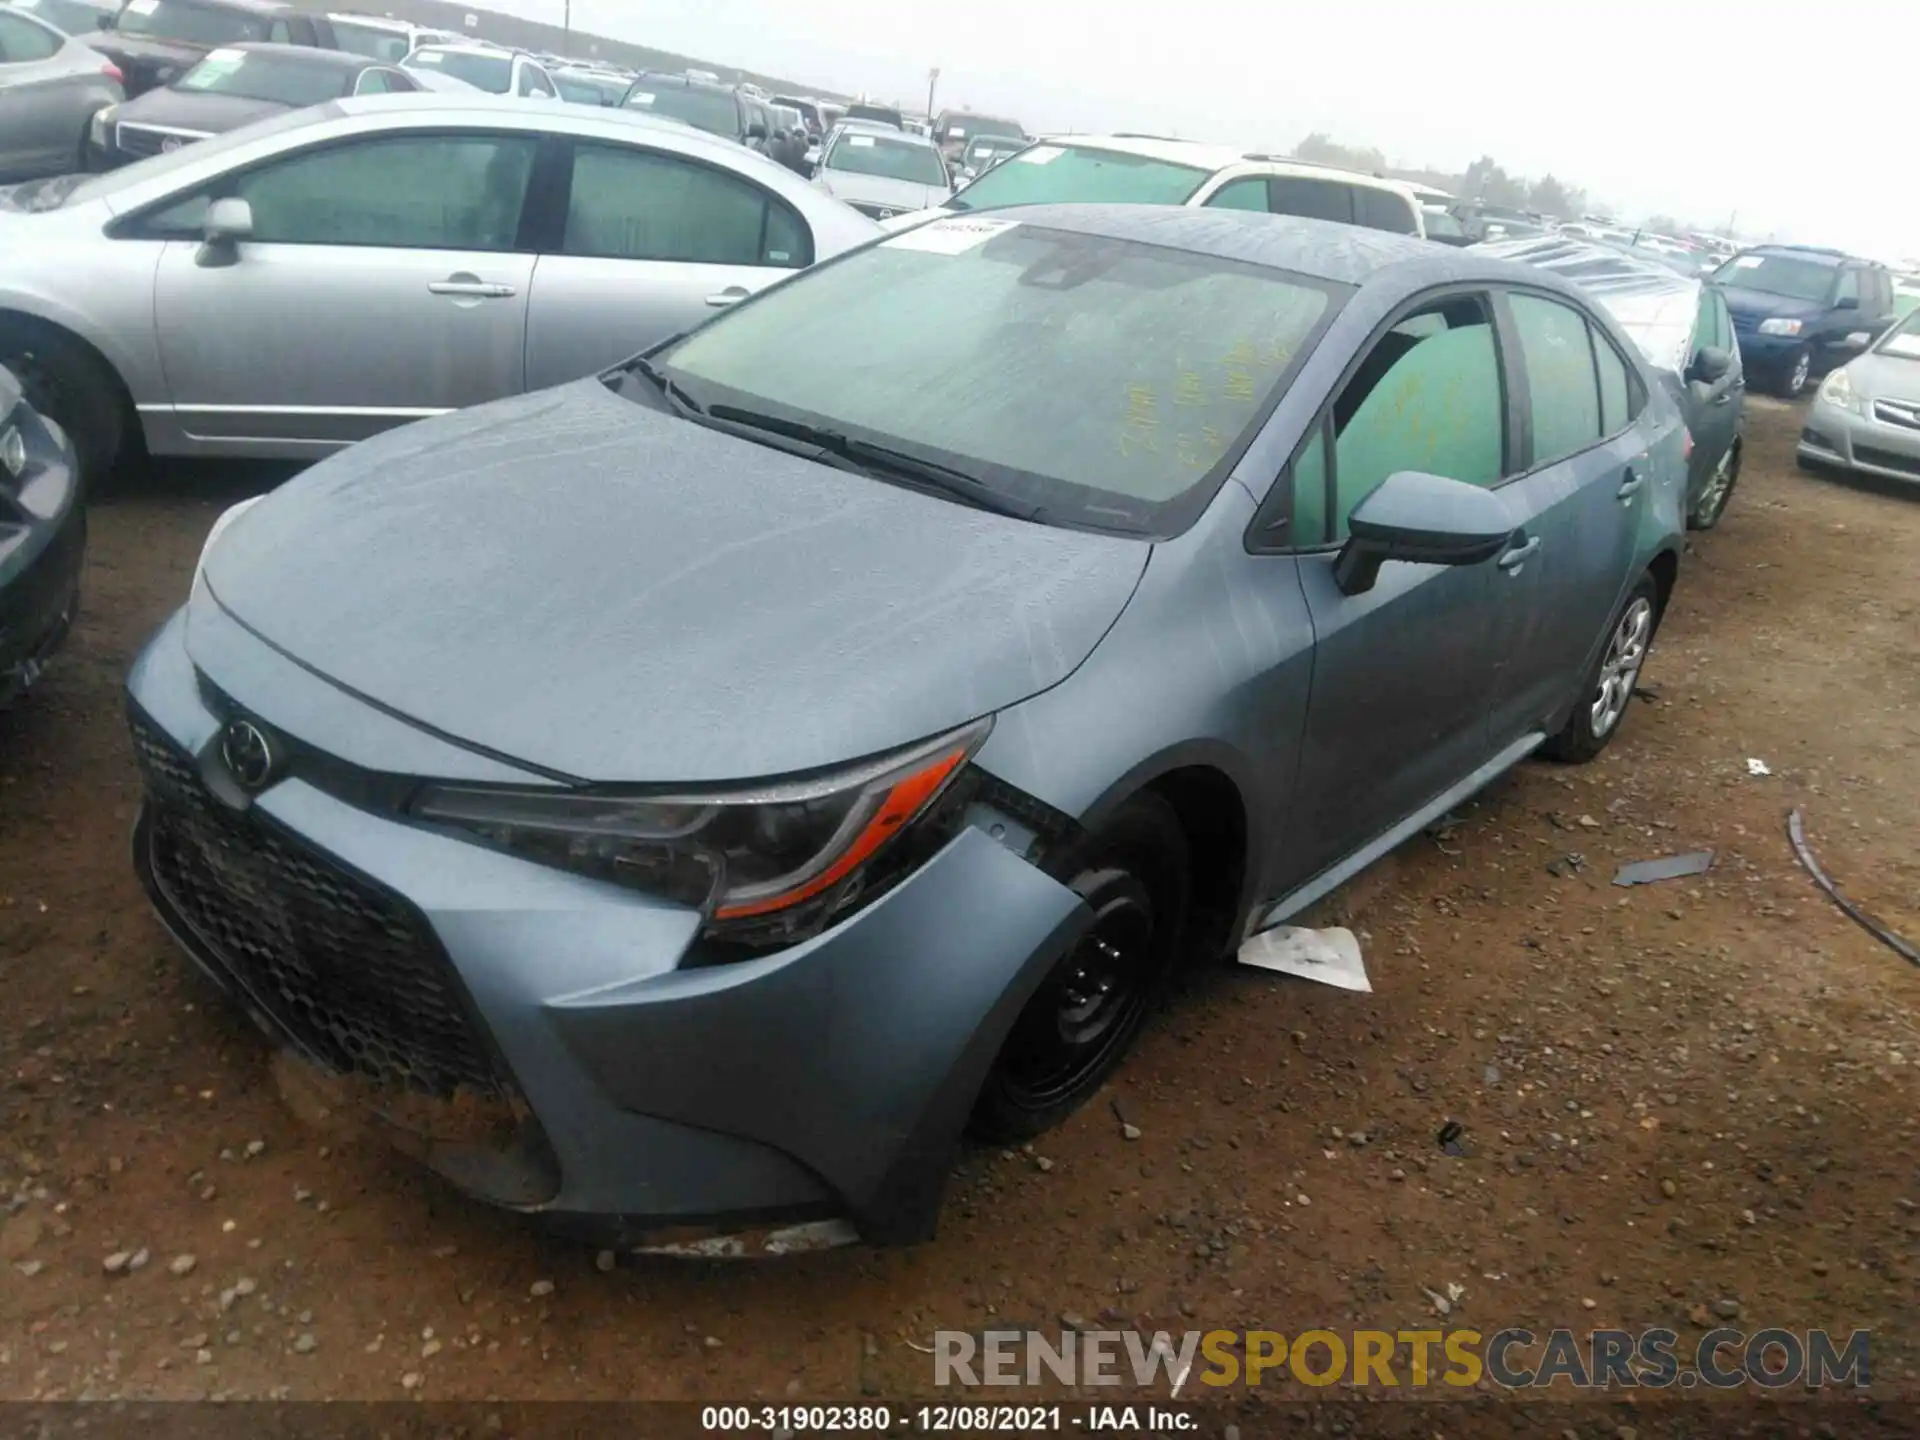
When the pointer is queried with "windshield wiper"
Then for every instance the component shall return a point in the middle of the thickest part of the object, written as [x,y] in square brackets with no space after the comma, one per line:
[884,462]
[655,376]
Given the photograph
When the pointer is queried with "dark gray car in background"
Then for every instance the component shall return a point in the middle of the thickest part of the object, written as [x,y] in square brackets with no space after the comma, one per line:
[1682,326]
[51,87]
[692,795]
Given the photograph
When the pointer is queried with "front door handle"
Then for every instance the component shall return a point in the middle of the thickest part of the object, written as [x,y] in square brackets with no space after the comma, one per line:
[1725,398]
[1514,561]
[732,295]
[1630,487]
[471,289]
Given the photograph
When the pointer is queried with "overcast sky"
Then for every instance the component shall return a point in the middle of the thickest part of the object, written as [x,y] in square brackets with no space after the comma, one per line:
[1649,104]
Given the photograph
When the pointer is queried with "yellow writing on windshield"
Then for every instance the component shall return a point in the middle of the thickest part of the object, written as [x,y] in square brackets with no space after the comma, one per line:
[1138,433]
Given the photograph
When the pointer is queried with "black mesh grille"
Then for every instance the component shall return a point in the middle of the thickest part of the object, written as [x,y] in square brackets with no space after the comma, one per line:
[351,974]
[1886,459]
[136,143]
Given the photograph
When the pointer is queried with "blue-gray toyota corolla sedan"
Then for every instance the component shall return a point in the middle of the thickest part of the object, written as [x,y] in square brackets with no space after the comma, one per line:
[693,796]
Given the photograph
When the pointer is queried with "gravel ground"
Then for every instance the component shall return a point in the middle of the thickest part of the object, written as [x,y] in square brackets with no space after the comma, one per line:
[1687,1104]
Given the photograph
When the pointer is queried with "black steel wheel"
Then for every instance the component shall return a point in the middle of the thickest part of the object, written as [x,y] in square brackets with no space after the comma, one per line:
[1081,1020]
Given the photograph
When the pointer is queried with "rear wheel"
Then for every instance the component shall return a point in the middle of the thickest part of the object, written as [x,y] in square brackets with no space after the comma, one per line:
[1081,1021]
[64,380]
[1712,503]
[1609,685]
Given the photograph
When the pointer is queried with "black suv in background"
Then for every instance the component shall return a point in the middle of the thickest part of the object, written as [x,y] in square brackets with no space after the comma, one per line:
[155,42]
[1802,310]
[717,109]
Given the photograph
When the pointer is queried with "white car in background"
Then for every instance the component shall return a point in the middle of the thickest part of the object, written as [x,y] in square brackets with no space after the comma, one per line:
[384,38]
[880,171]
[498,72]
[1148,170]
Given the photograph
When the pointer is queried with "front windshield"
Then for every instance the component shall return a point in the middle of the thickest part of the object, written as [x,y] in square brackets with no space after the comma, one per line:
[714,111]
[190,21]
[250,75]
[372,41]
[76,17]
[984,151]
[1440,223]
[1051,174]
[1903,340]
[1101,379]
[965,127]
[886,157]
[1782,275]
[875,114]
[492,73]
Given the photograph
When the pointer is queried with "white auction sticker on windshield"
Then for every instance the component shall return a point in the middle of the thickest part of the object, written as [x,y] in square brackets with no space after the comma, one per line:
[142,7]
[860,142]
[223,59]
[1748,262]
[1907,347]
[429,57]
[639,99]
[949,237]
[1040,155]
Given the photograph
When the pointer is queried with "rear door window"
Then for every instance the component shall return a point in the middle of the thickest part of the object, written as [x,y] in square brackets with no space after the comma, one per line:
[1616,394]
[22,41]
[1849,287]
[1315,199]
[1563,388]
[1383,210]
[632,204]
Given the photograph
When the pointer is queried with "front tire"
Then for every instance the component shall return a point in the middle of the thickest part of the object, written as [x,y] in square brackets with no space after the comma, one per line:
[65,380]
[1793,379]
[1079,1024]
[1718,490]
[1608,690]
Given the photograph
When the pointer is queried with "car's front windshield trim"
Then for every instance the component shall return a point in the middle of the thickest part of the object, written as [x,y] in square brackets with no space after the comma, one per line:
[1056,500]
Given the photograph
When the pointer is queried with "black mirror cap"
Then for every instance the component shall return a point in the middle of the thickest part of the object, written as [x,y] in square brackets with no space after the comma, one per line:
[1423,519]
[1847,302]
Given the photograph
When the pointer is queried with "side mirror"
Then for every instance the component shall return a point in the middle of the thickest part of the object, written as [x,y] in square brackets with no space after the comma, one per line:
[1847,302]
[756,131]
[1711,364]
[1425,520]
[105,22]
[228,222]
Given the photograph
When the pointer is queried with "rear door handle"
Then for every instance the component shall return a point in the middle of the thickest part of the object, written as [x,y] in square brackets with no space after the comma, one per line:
[1630,487]
[472,289]
[732,295]
[1514,561]
[1725,398]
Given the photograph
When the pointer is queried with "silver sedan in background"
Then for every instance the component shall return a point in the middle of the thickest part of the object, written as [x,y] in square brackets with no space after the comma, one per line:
[304,283]
[51,85]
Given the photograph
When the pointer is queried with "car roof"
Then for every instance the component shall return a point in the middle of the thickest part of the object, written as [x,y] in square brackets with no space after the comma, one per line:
[1654,303]
[445,49]
[257,7]
[1818,254]
[884,132]
[1321,249]
[657,79]
[307,55]
[1204,156]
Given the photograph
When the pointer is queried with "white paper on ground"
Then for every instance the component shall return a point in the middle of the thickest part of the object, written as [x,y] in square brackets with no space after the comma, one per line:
[1331,957]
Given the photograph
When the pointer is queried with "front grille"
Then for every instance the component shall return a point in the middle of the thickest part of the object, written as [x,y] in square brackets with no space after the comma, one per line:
[1894,412]
[1886,459]
[139,142]
[350,973]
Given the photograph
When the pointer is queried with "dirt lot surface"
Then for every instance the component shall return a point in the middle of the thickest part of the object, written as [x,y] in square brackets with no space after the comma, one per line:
[1689,1104]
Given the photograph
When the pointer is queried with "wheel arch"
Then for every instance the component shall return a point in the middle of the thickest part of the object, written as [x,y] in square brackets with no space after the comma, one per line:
[16,316]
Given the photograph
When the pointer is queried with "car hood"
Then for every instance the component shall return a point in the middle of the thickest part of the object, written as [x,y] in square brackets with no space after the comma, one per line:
[1886,377]
[582,584]
[1758,302]
[147,63]
[897,223]
[190,110]
[900,196]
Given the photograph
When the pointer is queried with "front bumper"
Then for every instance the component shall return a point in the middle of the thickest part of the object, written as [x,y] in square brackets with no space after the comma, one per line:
[830,1079]
[1770,355]
[43,537]
[1867,443]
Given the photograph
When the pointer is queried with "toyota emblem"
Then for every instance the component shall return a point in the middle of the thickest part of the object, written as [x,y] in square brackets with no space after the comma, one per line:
[248,753]
[170,144]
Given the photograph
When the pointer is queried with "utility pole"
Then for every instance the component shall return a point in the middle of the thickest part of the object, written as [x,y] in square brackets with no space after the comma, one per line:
[566,41]
[933,81]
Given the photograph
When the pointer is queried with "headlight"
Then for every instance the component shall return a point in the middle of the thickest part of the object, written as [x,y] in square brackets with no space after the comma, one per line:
[102,119]
[1780,327]
[13,450]
[227,517]
[764,864]
[1837,390]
